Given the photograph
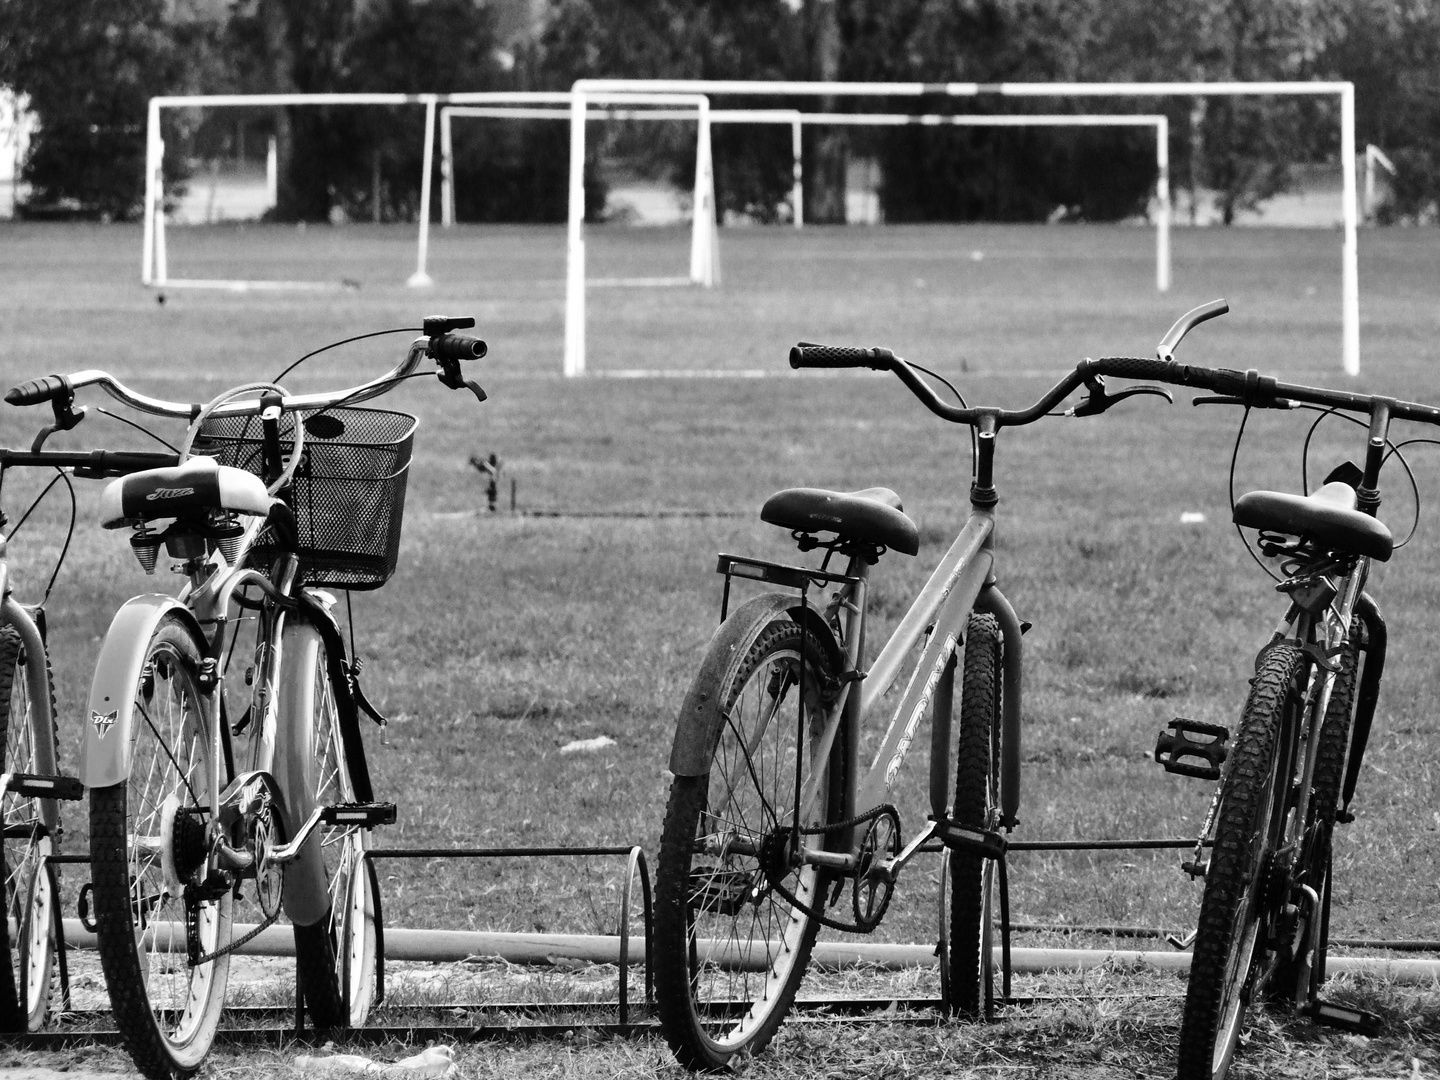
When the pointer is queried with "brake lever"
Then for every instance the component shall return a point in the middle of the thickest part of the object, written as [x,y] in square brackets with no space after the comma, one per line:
[451,376]
[1097,400]
[67,416]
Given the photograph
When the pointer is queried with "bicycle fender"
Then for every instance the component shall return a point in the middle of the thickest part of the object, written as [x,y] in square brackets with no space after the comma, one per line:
[105,746]
[698,728]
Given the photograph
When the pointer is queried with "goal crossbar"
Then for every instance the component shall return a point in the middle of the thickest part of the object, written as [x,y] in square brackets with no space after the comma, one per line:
[1345,91]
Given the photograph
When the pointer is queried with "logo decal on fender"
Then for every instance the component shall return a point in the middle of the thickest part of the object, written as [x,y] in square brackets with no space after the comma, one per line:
[103,722]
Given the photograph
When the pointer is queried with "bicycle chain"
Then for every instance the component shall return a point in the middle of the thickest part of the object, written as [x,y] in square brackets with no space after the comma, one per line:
[817,830]
[244,939]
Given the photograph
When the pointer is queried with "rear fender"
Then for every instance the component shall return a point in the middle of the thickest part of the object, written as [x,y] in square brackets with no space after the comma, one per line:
[701,718]
[109,718]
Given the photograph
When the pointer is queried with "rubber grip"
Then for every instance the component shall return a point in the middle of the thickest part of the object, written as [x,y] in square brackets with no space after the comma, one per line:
[457,347]
[1257,391]
[808,355]
[37,391]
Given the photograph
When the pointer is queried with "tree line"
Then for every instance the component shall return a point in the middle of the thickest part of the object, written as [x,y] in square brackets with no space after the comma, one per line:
[88,68]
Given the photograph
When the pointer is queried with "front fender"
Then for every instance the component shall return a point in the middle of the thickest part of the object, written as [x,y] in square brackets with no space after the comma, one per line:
[701,718]
[105,746]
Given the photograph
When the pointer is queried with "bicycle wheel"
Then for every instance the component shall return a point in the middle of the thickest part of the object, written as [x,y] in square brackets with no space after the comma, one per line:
[730,949]
[970,975]
[1227,962]
[328,889]
[31,883]
[147,842]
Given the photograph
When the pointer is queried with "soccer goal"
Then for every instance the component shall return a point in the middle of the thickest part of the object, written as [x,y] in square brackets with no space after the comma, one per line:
[155,263]
[1344,91]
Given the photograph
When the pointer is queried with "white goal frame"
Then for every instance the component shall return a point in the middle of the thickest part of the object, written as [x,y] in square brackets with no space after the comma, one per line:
[575,360]
[154,270]
[1350,274]
[797,120]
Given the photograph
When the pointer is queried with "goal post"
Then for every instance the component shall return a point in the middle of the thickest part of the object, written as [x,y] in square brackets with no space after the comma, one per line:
[1345,91]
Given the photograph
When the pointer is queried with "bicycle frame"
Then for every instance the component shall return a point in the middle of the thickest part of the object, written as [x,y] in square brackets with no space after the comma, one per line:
[962,582]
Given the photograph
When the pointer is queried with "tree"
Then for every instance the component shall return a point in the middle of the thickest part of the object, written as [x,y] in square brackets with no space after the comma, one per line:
[89,68]
[695,39]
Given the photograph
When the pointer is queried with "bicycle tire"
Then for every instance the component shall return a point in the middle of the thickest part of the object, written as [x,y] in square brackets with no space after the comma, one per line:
[1229,938]
[335,939]
[32,886]
[701,988]
[970,958]
[166,1010]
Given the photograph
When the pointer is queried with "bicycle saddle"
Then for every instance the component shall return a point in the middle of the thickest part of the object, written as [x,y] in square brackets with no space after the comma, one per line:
[873,516]
[1327,518]
[188,490]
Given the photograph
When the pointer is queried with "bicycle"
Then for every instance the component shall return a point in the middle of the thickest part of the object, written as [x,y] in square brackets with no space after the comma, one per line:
[31,783]
[261,522]
[1291,772]
[770,819]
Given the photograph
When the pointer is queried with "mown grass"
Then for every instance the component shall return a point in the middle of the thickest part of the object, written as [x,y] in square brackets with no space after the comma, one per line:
[502,638]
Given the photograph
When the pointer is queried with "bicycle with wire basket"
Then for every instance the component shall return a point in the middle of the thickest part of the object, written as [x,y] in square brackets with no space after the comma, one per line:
[773,829]
[32,785]
[1289,774]
[222,751]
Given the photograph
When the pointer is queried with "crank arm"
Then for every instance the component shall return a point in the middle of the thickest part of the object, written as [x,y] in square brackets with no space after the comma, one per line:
[357,815]
[891,867]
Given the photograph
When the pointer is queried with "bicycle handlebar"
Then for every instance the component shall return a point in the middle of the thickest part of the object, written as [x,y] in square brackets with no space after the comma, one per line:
[1248,388]
[92,464]
[446,348]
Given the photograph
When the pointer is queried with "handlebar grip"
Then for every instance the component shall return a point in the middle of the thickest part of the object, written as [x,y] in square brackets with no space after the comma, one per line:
[457,347]
[38,390]
[1255,390]
[809,355]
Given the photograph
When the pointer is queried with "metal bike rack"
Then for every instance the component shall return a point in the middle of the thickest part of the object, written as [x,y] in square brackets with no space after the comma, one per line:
[636,862]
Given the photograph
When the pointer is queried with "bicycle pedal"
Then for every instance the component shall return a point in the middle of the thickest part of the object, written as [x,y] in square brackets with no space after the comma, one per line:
[37,786]
[363,814]
[1175,745]
[957,837]
[1346,1018]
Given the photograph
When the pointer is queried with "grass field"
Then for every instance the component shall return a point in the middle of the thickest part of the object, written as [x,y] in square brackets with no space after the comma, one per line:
[504,637]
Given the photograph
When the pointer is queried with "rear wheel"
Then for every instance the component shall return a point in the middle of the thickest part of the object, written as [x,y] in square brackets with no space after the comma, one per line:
[31,883]
[148,848]
[730,947]
[1228,968]
[970,970]
[328,891]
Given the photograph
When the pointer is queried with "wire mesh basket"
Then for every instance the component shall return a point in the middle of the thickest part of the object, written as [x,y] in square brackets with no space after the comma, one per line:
[348,492]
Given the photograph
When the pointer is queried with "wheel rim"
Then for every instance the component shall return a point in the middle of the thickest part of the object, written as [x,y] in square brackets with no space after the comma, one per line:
[1235,991]
[169,772]
[745,937]
[352,907]
[37,939]
[26,847]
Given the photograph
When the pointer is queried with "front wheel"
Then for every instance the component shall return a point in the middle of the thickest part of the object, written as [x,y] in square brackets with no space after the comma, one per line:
[27,935]
[969,973]
[1229,960]
[148,842]
[328,889]
[730,946]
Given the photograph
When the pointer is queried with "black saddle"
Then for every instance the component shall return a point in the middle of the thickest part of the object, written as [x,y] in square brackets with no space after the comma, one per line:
[1327,518]
[872,516]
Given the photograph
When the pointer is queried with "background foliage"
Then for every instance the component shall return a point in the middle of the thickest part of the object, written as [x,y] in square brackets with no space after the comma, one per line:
[88,67]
